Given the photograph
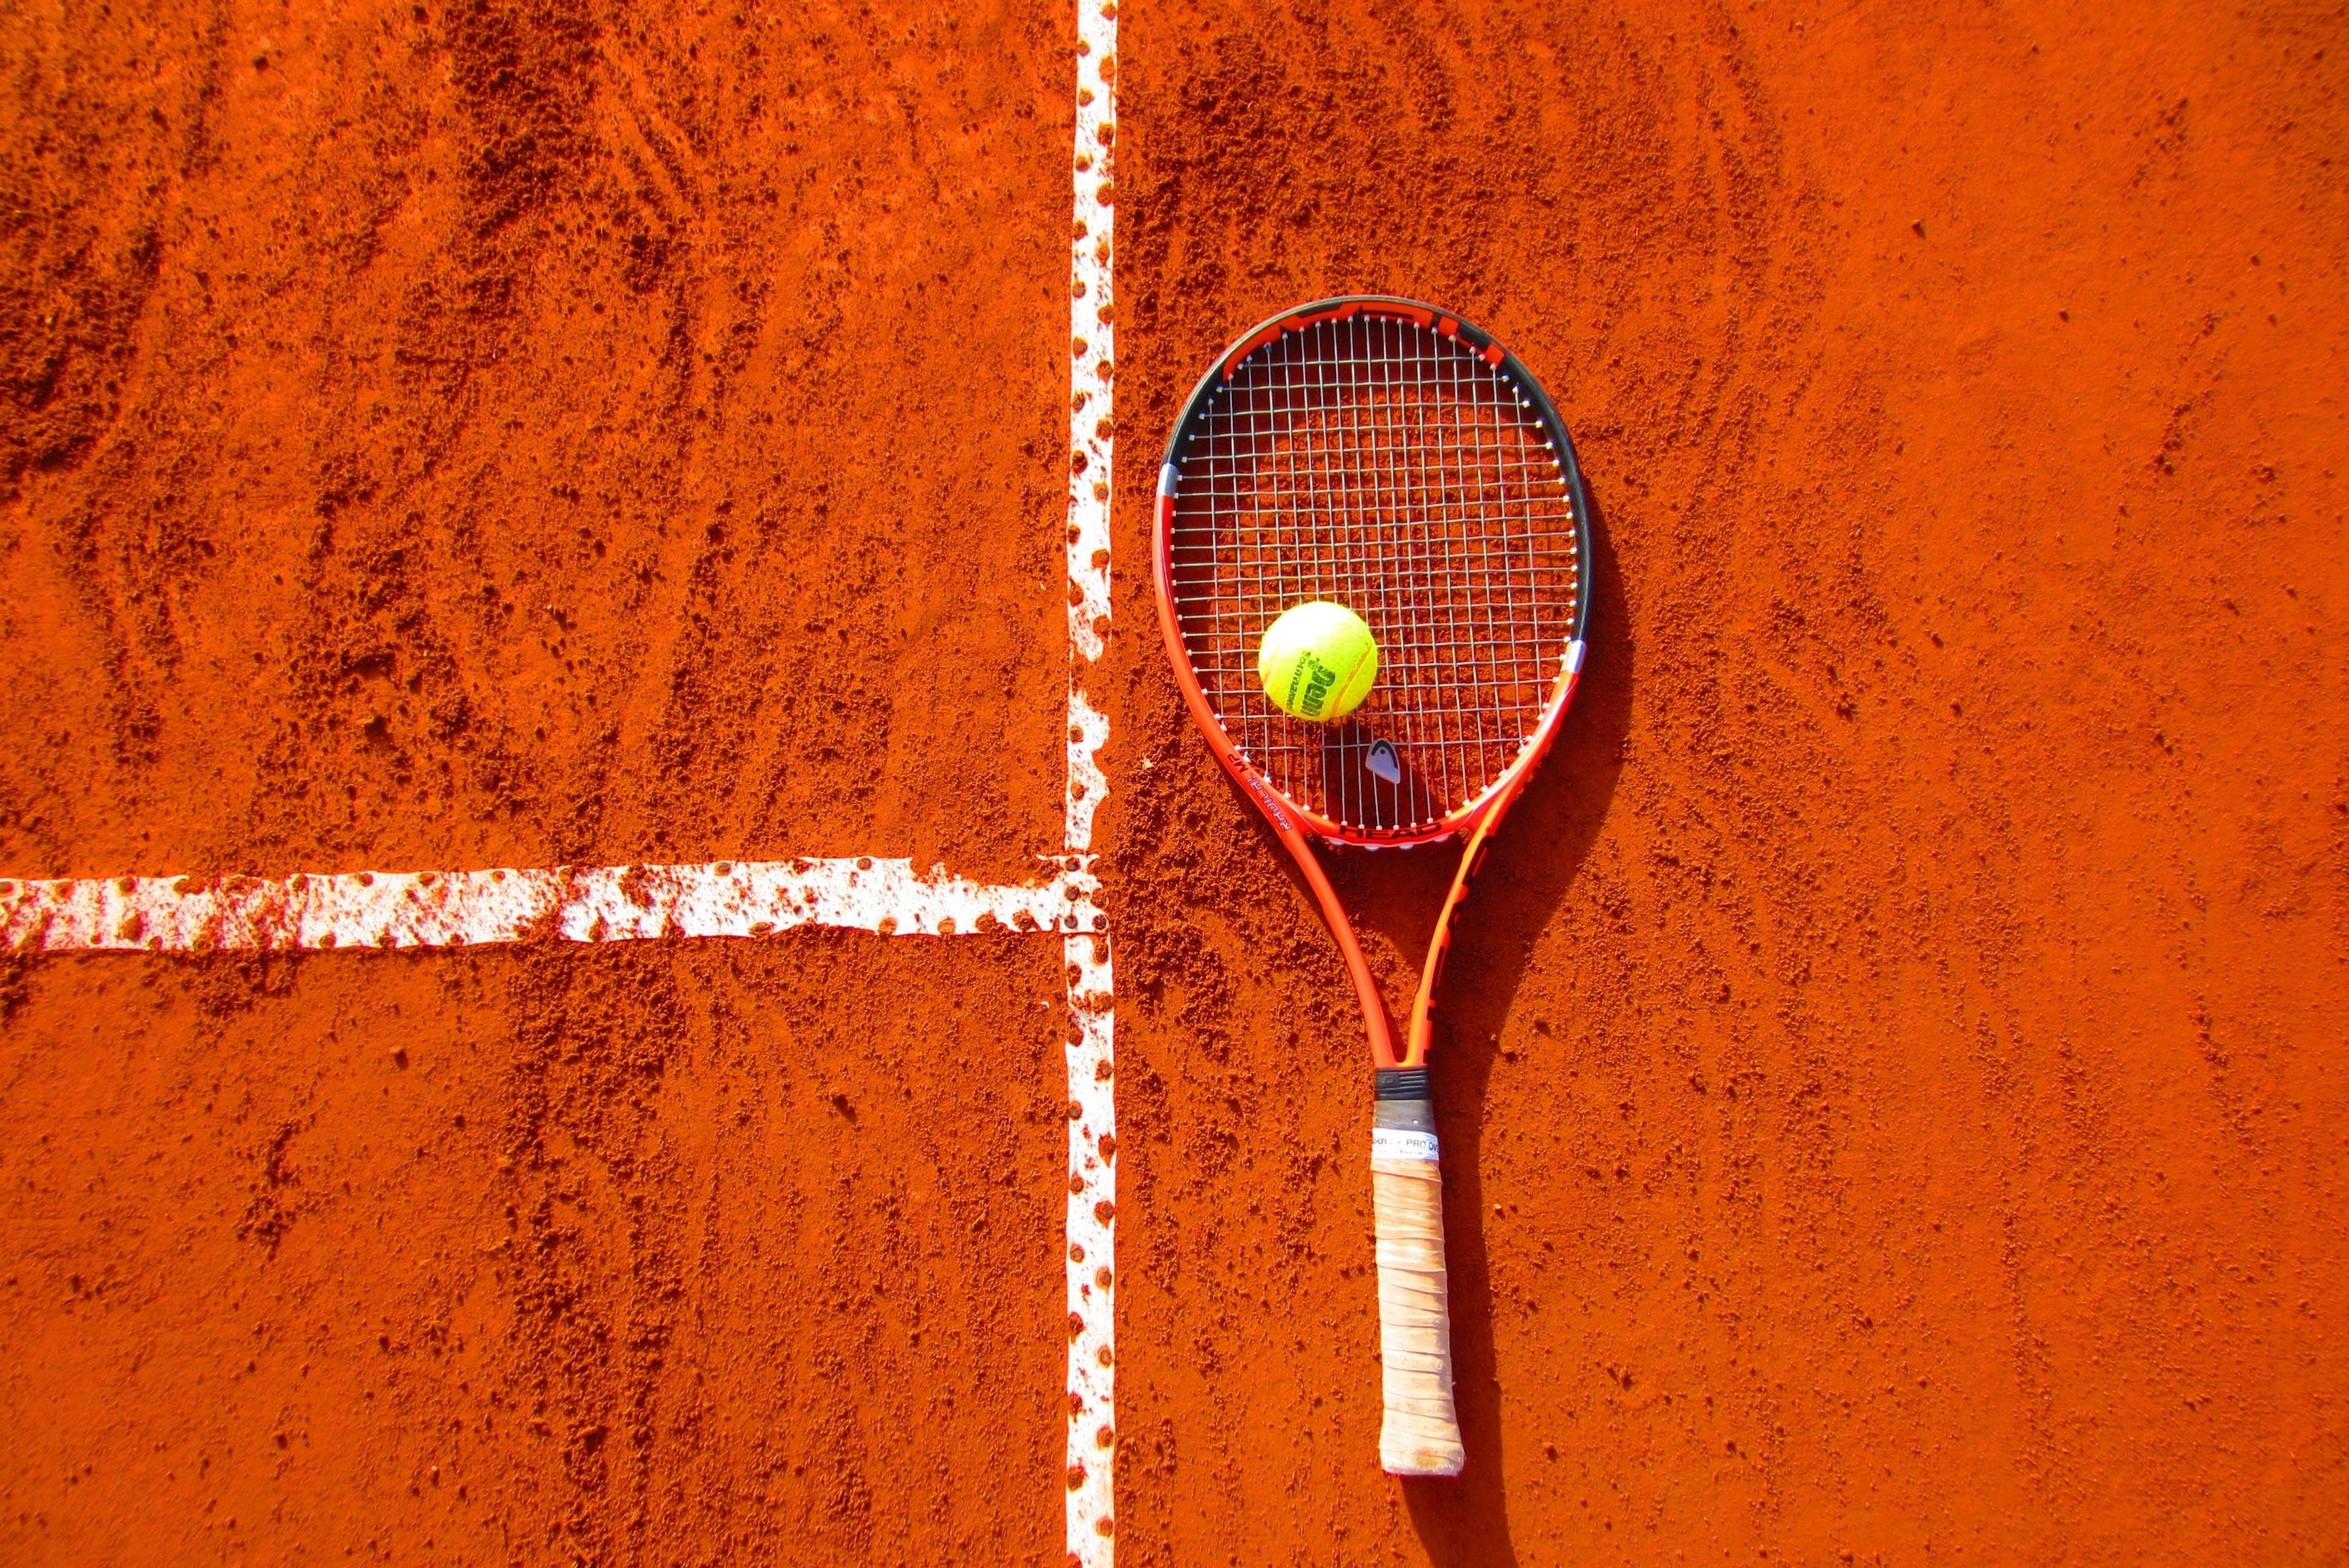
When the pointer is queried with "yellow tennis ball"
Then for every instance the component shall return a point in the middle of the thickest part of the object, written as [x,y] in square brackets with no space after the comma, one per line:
[1318,661]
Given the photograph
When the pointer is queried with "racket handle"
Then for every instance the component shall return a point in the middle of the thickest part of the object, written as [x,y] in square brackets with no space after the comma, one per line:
[1421,1432]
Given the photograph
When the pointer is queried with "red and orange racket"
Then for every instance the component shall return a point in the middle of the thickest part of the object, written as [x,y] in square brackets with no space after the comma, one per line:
[1389,457]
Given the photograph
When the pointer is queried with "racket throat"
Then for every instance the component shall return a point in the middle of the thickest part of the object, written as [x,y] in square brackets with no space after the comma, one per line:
[1421,1033]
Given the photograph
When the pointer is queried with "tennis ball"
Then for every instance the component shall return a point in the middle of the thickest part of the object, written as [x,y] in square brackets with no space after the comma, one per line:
[1318,661]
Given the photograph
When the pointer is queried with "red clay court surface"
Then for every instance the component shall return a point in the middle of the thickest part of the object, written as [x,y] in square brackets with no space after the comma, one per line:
[1893,1085]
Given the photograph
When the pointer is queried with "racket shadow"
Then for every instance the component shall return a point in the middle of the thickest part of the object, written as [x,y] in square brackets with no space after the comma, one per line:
[1536,856]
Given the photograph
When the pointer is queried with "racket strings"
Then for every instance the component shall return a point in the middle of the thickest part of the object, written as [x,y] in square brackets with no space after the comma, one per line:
[1390,469]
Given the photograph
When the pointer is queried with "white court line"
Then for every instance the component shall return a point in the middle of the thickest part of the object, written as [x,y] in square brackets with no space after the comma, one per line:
[557,903]
[1090,1515]
[426,910]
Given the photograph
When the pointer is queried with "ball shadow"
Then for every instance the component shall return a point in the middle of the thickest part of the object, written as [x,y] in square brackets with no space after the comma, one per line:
[1537,855]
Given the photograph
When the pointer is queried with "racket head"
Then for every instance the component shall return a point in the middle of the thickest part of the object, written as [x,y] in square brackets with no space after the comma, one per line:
[1389,456]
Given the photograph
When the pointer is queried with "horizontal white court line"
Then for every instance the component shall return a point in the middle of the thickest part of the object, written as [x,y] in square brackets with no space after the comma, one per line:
[554,904]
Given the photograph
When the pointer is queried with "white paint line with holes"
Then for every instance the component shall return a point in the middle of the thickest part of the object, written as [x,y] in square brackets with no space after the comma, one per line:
[558,904]
[1091,1254]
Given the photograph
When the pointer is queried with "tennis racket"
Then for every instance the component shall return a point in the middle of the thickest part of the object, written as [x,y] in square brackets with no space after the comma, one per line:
[1389,457]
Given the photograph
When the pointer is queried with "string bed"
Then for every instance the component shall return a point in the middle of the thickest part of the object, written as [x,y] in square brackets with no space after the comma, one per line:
[1389,468]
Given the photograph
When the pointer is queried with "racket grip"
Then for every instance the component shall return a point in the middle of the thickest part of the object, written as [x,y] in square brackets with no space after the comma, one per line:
[1421,1432]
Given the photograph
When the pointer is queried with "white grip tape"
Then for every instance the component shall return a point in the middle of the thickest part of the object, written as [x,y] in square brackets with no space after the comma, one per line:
[1421,1434]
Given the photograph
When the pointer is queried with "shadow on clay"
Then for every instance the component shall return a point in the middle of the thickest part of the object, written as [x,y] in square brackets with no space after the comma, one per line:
[1540,850]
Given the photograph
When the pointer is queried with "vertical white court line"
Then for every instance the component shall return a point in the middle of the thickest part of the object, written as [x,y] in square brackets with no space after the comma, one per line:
[1090,1515]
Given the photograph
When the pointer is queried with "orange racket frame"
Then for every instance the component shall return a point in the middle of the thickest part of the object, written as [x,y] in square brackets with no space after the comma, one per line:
[1297,826]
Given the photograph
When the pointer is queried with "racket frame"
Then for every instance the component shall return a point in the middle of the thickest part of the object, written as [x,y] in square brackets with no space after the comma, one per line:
[1296,826]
